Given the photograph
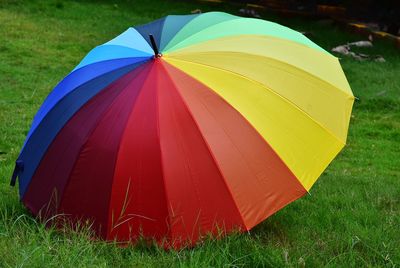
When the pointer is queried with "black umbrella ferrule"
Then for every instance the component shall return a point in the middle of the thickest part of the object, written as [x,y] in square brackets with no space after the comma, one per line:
[157,53]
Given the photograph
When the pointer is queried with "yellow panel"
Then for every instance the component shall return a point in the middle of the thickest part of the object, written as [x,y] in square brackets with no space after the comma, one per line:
[318,63]
[304,145]
[307,78]
[327,105]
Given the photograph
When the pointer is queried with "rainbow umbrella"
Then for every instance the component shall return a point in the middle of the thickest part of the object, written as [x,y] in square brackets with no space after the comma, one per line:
[186,126]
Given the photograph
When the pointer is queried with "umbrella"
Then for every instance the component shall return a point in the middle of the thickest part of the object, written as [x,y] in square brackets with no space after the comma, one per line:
[186,126]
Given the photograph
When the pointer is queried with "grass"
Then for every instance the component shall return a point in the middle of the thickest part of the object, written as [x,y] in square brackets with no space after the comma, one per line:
[351,218]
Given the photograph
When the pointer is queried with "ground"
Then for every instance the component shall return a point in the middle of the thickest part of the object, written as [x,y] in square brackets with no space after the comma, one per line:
[350,219]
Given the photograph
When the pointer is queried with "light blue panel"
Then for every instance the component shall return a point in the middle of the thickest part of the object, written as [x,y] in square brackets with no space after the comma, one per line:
[111,52]
[133,39]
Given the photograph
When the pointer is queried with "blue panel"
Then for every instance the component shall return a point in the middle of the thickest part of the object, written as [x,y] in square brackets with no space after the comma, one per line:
[110,52]
[154,28]
[57,117]
[172,25]
[75,79]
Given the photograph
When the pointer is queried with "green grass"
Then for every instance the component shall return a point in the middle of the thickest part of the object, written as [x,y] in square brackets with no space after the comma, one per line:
[351,218]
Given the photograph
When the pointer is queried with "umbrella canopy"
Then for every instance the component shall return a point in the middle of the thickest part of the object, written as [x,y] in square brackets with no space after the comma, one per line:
[185,126]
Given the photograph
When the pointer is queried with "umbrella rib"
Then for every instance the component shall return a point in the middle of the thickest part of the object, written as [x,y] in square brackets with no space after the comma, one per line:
[106,44]
[80,85]
[77,67]
[55,105]
[341,143]
[168,204]
[209,150]
[306,39]
[116,160]
[257,55]
[187,37]
[117,45]
[269,89]
[264,141]
[83,145]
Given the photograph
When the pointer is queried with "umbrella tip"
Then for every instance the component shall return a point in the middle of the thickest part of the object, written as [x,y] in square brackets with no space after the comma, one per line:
[157,54]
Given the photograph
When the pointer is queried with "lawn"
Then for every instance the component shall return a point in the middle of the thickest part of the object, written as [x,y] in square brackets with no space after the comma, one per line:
[350,219]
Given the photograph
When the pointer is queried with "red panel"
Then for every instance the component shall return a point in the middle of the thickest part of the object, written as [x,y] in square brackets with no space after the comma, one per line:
[48,182]
[138,203]
[87,193]
[258,179]
[198,198]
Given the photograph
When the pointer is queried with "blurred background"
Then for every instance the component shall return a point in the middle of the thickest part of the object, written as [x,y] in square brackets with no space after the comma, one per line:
[385,15]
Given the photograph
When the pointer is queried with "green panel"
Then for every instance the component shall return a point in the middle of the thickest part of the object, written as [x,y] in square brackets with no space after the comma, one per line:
[194,32]
[199,23]
[172,25]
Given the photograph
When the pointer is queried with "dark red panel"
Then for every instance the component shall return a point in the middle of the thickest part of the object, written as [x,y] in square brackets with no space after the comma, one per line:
[138,204]
[49,180]
[87,193]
